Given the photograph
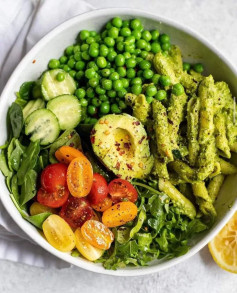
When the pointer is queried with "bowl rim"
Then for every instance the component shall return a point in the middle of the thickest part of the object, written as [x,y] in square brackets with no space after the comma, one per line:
[7,202]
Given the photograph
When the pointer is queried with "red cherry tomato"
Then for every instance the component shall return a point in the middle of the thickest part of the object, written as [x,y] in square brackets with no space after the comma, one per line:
[53,199]
[99,189]
[76,211]
[121,190]
[54,177]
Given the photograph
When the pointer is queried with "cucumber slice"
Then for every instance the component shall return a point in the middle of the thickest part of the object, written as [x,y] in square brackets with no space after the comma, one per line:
[31,106]
[42,125]
[52,88]
[67,109]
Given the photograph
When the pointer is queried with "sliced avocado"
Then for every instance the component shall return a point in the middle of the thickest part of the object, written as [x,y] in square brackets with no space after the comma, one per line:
[121,143]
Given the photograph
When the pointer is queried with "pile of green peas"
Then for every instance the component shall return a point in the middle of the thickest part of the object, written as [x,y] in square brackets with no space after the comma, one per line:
[109,64]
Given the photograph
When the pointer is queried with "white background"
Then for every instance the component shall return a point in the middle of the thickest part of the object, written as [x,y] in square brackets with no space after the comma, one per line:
[217,21]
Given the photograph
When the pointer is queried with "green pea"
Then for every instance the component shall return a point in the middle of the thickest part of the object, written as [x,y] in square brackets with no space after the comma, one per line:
[106,84]
[140,73]
[137,34]
[105,33]
[91,110]
[105,72]
[122,105]
[69,50]
[138,60]
[93,65]
[160,95]
[148,47]
[111,56]
[93,33]
[63,59]
[93,82]
[84,34]
[115,109]
[110,42]
[117,85]
[79,75]
[120,46]
[154,35]
[80,65]
[146,35]
[93,52]
[71,63]
[95,45]
[155,78]
[87,120]
[126,23]
[93,121]
[141,44]
[144,64]
[149,100]
[135,24]
[127,55]
[111,93]
[114,76]
[129,40]
[151,90]
[186,66]
[131,63]
[72,73]
[113,32]
[90,92]
[164,38]
[112,70]
[121,71]
[108,25]
[66,68]
[76,49]
[129,48]
[119,60]
[84,102]
[122,93]
[80,93]
[131,73]
[90,73]
[165,80]
[104,108]
[165,46]
[85,56]
[155,47]
[198,67]
[60,76]
[119,39]
[144,54]
[103,98]
[95,102]
[99,90]
[148,73]
[125,82]
[53,64]
[178,89]
[84,47]
[125,32]
[136,89]
[101,62]
[97,38]
[117,22]
[136,80]
[77,56]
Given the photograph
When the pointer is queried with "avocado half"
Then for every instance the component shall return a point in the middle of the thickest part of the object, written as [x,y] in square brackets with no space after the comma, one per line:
[121,143]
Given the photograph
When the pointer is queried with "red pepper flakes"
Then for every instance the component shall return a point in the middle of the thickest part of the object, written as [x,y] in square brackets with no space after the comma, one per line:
[129,166]
[127,145]
[117,166]
[93,131]
[71,144]
[117,144]
[136,123]
[122,153]
[33,61]
[92,139]
[141,140]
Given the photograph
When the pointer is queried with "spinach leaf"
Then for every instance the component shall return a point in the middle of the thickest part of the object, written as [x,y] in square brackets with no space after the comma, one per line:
[4,166]
[10,149]
[26,89]
[16,119]
[38,220]
[20,101]
[15,188]
[15,158]
[28,161]
[28,189]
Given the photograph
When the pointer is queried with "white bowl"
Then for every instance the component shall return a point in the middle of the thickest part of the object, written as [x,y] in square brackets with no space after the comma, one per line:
[194,48]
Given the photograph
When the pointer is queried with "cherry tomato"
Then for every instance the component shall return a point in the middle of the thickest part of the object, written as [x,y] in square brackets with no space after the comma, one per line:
[119,214]
[53,199]
[120,190]
[54,177]
[80,176]
[97,234]
[66,154]
[104,205]
[58,233]
[76,211]
[99,189]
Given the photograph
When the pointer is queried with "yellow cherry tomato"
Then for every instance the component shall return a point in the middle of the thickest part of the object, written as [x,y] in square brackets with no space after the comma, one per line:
[119,214]
[58,233]
[85,248]
[37,208]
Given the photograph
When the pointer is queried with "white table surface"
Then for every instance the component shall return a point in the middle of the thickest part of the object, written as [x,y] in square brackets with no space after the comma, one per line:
[217,21]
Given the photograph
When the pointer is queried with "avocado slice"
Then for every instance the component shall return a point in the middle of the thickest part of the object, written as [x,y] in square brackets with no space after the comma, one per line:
[121,143]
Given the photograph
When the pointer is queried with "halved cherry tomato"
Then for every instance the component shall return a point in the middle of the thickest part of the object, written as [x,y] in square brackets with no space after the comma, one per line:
[54,177]
[97,234]
[104,205]
[66,154]
[76,211]
[53,199]
[58,233]
[120,190]
[85,248]
[37,208]
[80,176]
[119,214]
[99,189]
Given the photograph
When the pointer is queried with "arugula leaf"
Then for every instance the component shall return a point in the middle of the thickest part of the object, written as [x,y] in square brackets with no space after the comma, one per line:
[140,220]
[16,119]
[28,189]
